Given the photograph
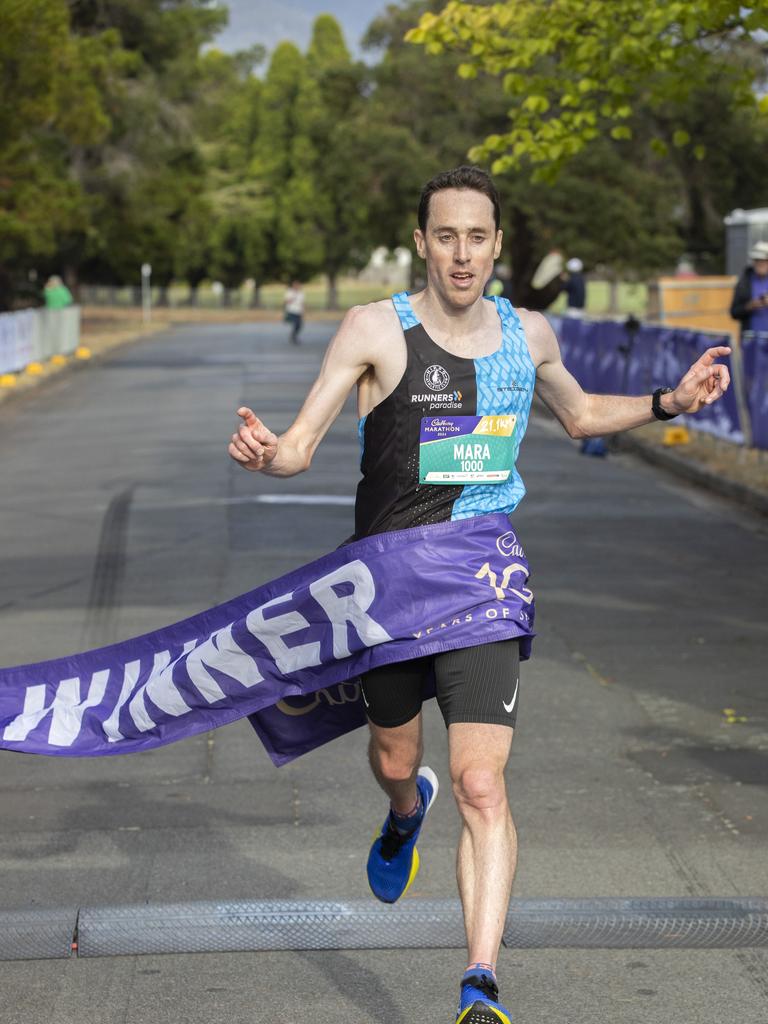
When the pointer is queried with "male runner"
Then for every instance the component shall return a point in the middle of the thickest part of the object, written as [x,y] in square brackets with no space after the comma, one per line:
[448,349]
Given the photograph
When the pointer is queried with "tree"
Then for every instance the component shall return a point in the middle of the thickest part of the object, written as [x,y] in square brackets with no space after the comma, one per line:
[606,196]
[331,111]
[145,171]
[282,162]
[574,70]
[225,231]
[53,85]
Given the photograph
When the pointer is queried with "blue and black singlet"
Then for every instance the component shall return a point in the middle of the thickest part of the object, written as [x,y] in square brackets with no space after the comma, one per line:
[435,382]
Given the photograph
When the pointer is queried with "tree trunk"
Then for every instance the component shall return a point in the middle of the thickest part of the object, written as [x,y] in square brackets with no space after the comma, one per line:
[417,275]
[6,291]
[72,279]
[332,300]
[192,297]
[613,296]
[524,260]
[256,297]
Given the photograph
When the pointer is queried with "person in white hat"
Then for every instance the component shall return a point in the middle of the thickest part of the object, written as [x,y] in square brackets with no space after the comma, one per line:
[575,287]
[750,296]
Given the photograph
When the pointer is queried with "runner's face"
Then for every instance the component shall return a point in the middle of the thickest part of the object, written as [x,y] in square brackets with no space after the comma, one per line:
[459,245]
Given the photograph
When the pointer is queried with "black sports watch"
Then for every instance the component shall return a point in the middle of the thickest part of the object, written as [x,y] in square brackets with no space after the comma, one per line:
[656,408]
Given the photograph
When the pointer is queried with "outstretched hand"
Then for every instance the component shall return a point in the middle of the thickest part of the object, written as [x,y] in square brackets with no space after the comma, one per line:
[254,446]
[704,383]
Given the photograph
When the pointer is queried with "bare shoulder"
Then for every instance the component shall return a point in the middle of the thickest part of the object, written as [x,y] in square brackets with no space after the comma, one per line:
[371,318]
[365,328]
[541,339]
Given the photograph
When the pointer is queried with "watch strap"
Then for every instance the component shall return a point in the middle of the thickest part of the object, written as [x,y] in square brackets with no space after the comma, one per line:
[656,408]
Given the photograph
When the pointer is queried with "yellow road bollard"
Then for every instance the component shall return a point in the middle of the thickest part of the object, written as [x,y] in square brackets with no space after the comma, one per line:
[8,380]
[82,352]
[59,360]
[675,435]
[35,369]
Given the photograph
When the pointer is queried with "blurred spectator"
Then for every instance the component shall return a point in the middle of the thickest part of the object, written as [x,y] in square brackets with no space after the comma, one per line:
[575,288]
[293,304]
[56,293]
[750,296]
[685,268]
[495,284]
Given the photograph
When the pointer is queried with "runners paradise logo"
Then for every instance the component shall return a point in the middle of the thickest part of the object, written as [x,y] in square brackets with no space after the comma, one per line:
[452,400]
[436,377]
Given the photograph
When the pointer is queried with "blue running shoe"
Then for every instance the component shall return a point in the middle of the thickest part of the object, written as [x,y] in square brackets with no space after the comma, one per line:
[479,1001]
[393,862]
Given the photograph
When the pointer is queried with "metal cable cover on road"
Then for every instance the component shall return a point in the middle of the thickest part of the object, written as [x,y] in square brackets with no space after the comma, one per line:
[269,925]
[37,934]
[415,924]
[659,923]
[232,926]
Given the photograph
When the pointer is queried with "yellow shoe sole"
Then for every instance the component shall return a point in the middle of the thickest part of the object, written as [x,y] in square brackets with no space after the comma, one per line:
[482,1013]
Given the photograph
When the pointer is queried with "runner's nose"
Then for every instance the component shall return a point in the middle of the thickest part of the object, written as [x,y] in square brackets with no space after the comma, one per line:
[461,255]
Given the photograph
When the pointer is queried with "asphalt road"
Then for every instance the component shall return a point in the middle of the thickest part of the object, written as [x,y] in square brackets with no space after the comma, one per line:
[121,512]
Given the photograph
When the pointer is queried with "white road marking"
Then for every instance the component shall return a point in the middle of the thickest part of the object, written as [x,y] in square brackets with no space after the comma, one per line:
[251,499]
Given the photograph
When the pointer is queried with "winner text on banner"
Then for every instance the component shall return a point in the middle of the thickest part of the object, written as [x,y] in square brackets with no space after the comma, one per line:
[288,654]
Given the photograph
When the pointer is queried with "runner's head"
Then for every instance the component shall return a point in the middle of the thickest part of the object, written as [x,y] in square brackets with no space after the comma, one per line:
[458,233]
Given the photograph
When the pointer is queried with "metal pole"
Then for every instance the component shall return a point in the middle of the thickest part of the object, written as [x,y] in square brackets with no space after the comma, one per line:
[146,292]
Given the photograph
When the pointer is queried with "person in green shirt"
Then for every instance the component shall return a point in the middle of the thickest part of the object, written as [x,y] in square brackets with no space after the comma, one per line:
[56,293]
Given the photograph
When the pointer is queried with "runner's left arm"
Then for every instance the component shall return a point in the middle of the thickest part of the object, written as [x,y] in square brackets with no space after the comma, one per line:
[587,415]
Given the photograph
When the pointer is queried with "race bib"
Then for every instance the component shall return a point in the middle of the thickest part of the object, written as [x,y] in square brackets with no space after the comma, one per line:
[466,449]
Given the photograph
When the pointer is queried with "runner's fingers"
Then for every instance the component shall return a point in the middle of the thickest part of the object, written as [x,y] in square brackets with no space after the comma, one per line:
[250,451]
[713,353]
[236,454]
[251,419]
[718,385]
[251,440]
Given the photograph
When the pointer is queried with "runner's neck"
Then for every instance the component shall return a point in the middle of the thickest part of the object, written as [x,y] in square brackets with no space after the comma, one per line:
[460,331]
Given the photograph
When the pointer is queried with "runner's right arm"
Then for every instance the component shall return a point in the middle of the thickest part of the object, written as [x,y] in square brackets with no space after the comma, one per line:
[348,357]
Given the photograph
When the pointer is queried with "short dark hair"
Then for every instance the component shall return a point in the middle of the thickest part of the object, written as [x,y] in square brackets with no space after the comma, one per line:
[464,177]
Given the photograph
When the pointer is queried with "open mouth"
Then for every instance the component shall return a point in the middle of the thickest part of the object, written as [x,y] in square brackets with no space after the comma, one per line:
[462,277]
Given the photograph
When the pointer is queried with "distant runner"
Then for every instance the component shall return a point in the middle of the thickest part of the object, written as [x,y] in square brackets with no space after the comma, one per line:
[293,306]
[445,380]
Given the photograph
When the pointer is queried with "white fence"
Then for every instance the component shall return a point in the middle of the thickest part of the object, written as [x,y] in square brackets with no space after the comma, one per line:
[34,335]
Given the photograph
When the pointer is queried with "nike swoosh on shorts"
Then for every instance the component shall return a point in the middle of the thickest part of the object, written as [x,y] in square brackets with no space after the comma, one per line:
[509,708]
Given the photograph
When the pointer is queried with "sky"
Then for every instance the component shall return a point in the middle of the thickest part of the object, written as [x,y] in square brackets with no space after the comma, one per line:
[270,21]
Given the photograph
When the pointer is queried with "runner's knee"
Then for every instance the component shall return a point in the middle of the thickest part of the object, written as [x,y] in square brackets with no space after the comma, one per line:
[479,788]
[395,760]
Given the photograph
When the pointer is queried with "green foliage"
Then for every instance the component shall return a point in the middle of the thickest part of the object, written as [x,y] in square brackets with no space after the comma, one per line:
[53,87]
[623,133]
[575,69]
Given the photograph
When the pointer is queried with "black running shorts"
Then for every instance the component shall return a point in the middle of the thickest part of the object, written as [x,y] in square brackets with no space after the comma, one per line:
[474,684]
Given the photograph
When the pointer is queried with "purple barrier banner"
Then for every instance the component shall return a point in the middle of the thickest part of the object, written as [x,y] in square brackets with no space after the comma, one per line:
[607,357]
[755,365]
[723,418]
[288,654]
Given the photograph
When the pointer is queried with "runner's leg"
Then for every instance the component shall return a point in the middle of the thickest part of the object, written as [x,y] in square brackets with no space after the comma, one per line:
[392,698]
[487,852]
[395,755]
